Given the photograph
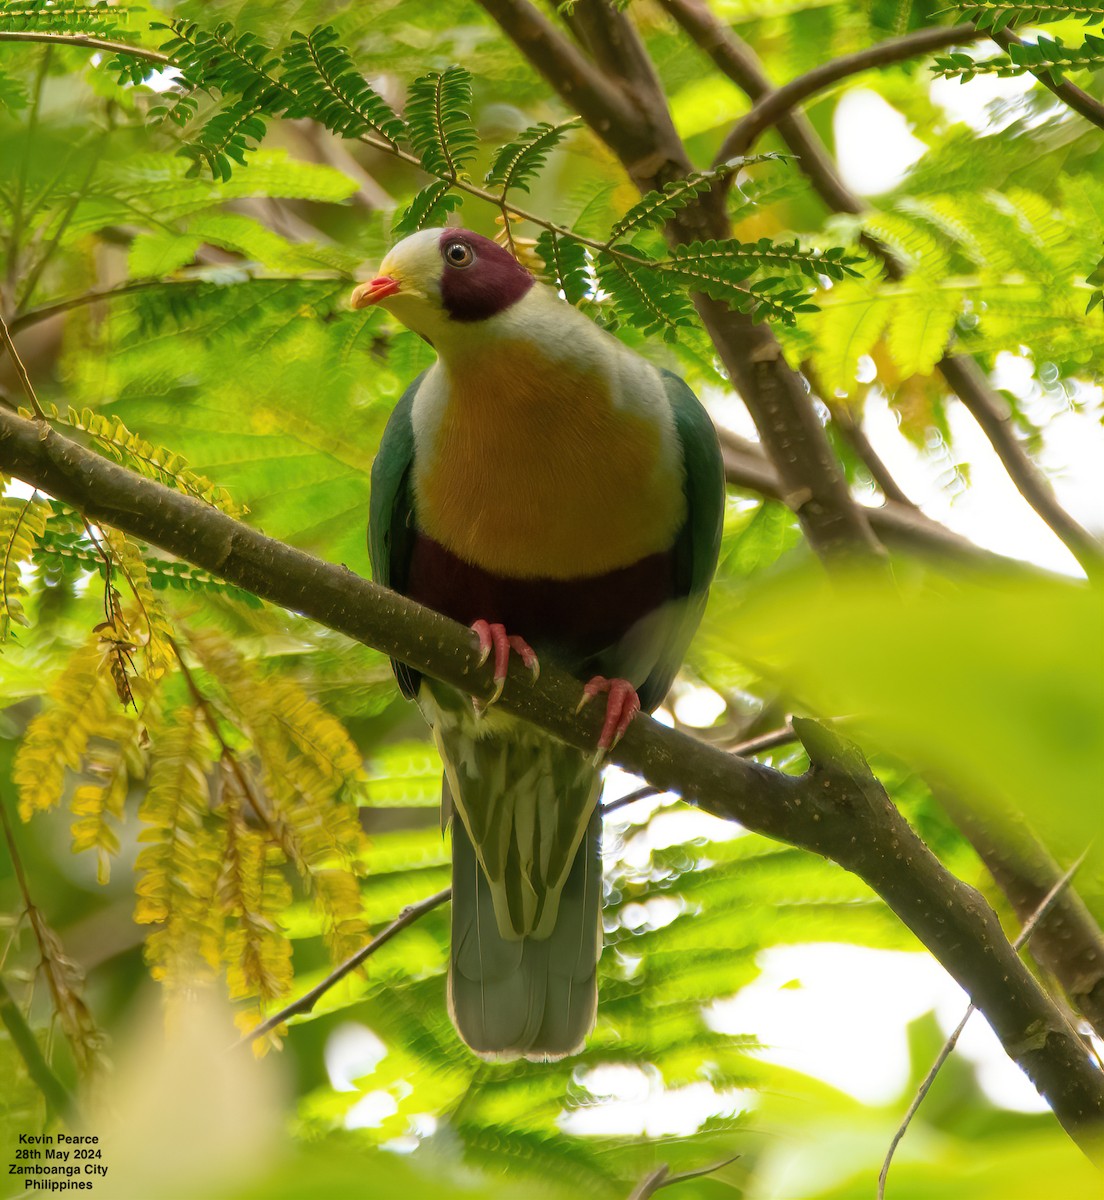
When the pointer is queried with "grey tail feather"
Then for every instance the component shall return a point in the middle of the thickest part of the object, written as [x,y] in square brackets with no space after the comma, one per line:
[524,997]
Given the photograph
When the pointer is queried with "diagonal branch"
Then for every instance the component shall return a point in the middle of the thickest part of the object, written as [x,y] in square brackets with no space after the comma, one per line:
[736,60]
[771,107]
[600,102]
[837,809]
[1067,940]
[1069,93]
[991,413]
[308,1000]
[1030,923]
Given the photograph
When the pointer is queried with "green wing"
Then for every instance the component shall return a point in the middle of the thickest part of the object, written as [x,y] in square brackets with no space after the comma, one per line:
[391,512]
[699,540]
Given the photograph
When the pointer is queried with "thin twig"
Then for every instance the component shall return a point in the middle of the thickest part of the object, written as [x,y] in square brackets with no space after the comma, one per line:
[651,1183]
[755,745]
[771,107]
[697,1174]
[661,1177]
[20,370]
[89,43]
[308,1000]
[952,1041]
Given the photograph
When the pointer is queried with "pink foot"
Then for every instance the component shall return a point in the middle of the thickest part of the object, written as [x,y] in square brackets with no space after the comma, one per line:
[494,637]
[623,704]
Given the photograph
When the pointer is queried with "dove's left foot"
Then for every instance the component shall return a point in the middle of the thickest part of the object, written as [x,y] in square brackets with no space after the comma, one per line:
[494,637]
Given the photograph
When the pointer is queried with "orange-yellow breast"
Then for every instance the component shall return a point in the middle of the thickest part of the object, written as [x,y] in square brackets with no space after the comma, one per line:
[533,472]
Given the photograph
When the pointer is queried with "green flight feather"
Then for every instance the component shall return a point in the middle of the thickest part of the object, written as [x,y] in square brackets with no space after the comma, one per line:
[526,880]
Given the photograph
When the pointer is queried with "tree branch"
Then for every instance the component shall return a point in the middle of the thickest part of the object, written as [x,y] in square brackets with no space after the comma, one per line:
[600,102]
[1069,93]
[1067,941]
[991,413]
[89,43]
[769,108]
[1028,929]
[735,59]
[962,375]
[836,809]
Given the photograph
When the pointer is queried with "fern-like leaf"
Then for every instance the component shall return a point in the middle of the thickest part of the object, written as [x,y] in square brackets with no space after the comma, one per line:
[992,14]
[1095,280]
[643,297]
[429,207]
[181,860]
[743,259]
[63,544]
[13,95]
[22,526]
[80,700]
[252,894]
[518,162]
[720,277]
[656,207]
[330,89]
[1046,57]
[308,765]
[116,758]
[64,16]
[565,263]
[439,122]
[155,462]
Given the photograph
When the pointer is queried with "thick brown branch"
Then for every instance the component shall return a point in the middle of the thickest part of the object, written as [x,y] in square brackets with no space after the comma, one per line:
[740,64]
[600,102]
[769,108]
[1069,93]
[836,809]
[608,34]
[735,59]
[1044,906]
[1067,941]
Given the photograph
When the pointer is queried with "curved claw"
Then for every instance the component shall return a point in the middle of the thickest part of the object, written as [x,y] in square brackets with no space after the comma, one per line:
[621,706]
[493,636]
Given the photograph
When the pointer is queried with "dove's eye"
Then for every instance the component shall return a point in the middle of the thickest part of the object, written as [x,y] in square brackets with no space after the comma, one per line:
[459,254]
